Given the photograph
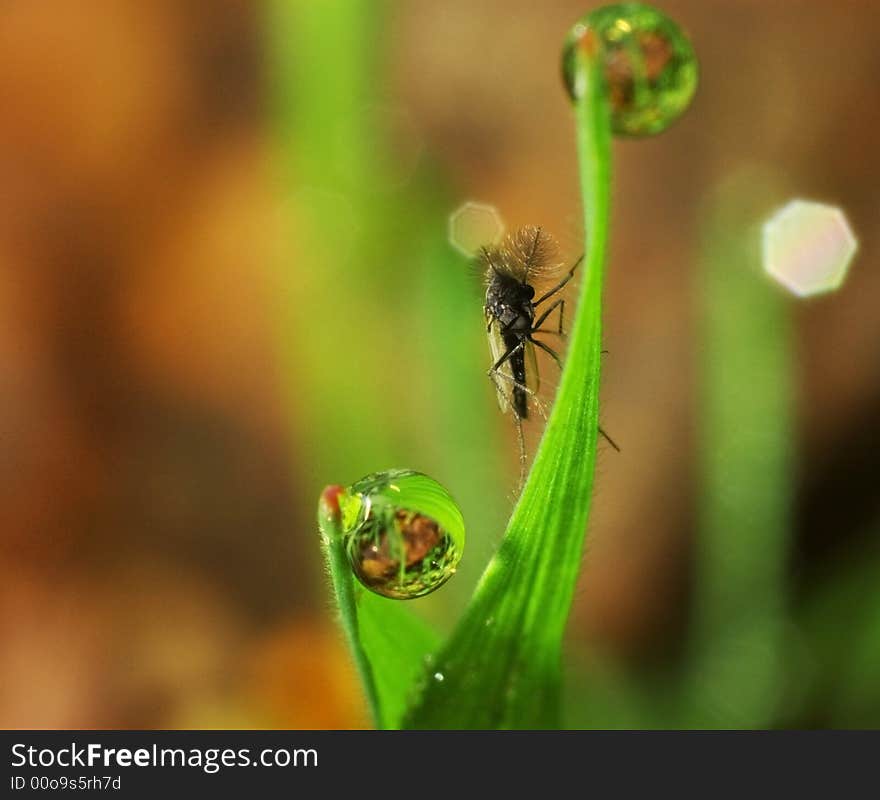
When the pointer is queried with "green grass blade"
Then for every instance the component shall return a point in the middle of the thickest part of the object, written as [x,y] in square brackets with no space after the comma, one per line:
[747,469]
[398,644]
[501,666]
[389,644]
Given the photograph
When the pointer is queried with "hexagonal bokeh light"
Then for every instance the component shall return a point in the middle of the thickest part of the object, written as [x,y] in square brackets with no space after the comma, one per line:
[808,247]
[473,225]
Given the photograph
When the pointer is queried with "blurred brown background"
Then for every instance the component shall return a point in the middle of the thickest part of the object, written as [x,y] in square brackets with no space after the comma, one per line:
[159,565]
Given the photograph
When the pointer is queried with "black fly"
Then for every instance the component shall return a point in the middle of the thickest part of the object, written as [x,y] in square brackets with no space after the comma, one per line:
[513,318]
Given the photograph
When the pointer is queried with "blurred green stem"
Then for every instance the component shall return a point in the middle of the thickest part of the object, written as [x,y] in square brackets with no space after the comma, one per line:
[746,464]
[389,644]
[339,571]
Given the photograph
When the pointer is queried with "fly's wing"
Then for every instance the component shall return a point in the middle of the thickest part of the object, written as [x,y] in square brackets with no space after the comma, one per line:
[533,380]
[503,376]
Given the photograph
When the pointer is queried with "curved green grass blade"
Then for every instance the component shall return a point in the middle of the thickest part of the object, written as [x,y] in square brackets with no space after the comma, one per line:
[501,667]
[388,642]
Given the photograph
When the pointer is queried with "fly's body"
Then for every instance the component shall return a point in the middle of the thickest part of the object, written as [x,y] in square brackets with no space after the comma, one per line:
[510,313]
[514,316]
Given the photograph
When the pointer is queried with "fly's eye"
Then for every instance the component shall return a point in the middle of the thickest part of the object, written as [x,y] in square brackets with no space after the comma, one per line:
[529,291]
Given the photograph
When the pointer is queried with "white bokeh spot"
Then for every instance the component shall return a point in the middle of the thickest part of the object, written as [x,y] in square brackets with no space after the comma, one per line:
[474,225]
[808,247]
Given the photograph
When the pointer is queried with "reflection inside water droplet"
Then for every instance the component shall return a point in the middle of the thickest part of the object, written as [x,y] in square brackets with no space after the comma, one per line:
[650,68]
[403,532]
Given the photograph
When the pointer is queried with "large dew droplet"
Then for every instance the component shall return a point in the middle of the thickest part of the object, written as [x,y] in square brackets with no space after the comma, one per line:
[404,534]
[650,68]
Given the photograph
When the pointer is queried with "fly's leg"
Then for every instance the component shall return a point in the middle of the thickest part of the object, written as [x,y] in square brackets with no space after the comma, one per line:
[511,351]
[559,364]
[548,350]
[494,374]
[530,392]
[558,303]
[559,285]
[608,439]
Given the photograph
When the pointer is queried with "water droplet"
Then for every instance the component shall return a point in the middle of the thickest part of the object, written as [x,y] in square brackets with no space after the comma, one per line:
[808,247]
[404,534]
[650,67]
[473,225]
[439,677]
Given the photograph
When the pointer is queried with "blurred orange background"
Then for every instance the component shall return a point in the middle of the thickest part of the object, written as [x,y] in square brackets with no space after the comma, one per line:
[159,563]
